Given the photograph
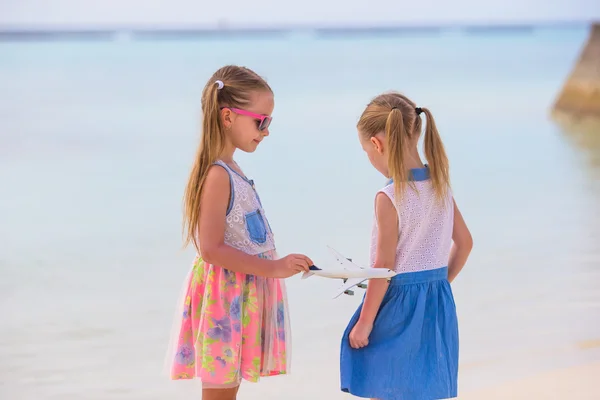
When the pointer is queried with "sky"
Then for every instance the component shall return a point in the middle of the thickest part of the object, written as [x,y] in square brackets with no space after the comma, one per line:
[22,13]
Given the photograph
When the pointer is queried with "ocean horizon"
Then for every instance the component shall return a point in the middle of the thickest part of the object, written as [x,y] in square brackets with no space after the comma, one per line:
[222,29]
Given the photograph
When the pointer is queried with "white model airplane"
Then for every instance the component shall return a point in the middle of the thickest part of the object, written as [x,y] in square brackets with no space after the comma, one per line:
[350,273]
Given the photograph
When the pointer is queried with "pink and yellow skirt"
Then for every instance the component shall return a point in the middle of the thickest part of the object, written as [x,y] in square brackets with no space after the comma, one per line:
[231,326]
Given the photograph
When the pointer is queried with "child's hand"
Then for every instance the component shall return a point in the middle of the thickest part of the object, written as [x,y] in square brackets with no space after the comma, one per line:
[291,265]
[359,336]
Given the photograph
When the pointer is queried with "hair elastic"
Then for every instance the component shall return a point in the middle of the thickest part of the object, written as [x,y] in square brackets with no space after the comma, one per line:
[418,110]
[219,85]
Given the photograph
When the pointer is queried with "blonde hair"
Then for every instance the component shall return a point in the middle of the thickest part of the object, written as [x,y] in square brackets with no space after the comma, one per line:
[396,115]
[230,86]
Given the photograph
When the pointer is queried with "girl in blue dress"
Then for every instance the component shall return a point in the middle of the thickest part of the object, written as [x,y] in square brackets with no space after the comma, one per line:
[402,342]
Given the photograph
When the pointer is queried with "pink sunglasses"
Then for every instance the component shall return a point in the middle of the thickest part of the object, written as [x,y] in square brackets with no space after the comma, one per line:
[263,121]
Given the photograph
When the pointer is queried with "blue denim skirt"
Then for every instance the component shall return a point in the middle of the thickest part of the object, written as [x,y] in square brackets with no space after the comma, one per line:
[413,348]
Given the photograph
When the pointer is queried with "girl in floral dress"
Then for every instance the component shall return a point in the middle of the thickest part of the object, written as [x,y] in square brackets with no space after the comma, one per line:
[234,321]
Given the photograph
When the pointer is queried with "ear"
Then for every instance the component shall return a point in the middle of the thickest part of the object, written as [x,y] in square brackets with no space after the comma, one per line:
[377,143]
[227,117]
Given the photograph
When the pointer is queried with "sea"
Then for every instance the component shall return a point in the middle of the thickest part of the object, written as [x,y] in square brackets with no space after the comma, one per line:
[97,138]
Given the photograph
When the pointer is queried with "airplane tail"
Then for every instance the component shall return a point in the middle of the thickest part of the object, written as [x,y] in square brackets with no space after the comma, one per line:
[309,274]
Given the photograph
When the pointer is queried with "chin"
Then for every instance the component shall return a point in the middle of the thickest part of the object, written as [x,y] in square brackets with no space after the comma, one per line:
[251,148]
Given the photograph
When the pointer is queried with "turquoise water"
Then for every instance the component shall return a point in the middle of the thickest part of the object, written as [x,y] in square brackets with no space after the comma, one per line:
[96,139]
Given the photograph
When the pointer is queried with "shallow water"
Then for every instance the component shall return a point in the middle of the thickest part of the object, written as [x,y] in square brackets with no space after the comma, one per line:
[95,144]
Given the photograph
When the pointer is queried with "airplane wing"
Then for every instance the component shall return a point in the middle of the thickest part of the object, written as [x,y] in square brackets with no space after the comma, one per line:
[347,285]
[346,264]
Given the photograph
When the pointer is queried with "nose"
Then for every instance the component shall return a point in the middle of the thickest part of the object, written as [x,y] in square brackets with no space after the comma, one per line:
[265,132]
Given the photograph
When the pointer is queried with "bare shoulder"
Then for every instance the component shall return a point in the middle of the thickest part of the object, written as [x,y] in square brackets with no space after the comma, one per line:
[216,188]
[217,176]
[385,211]
[384,207]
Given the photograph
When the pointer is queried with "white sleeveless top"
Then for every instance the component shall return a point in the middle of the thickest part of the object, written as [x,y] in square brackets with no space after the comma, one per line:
[425,226]
[246,225]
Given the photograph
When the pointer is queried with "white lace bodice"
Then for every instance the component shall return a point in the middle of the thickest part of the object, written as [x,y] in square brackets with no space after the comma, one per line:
[425,227]
[247,228]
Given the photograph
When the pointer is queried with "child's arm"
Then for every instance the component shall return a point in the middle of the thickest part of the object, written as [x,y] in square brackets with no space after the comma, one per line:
[461,248]
[213,209]
[387,240]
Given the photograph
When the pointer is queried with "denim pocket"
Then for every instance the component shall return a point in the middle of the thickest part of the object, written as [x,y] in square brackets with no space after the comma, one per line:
[255,224]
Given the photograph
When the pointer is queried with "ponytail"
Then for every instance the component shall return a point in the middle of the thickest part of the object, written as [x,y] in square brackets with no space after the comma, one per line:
[396,142]
[399,117]
[211,145]
[436,157]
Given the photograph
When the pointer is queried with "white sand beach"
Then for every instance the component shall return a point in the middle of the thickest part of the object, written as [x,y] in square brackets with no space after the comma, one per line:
[580,382]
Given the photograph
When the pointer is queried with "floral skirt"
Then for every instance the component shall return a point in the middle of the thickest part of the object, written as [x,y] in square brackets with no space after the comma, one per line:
[230,326]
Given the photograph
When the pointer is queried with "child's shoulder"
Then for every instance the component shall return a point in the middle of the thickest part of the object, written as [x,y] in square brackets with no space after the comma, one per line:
[218,169]
[387,190]
[385,199]
[217,177]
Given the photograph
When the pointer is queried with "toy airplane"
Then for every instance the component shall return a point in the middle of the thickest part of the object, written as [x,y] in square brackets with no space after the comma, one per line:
[350,273]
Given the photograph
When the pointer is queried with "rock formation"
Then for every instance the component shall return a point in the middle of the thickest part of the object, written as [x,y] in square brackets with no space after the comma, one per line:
[579,98]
